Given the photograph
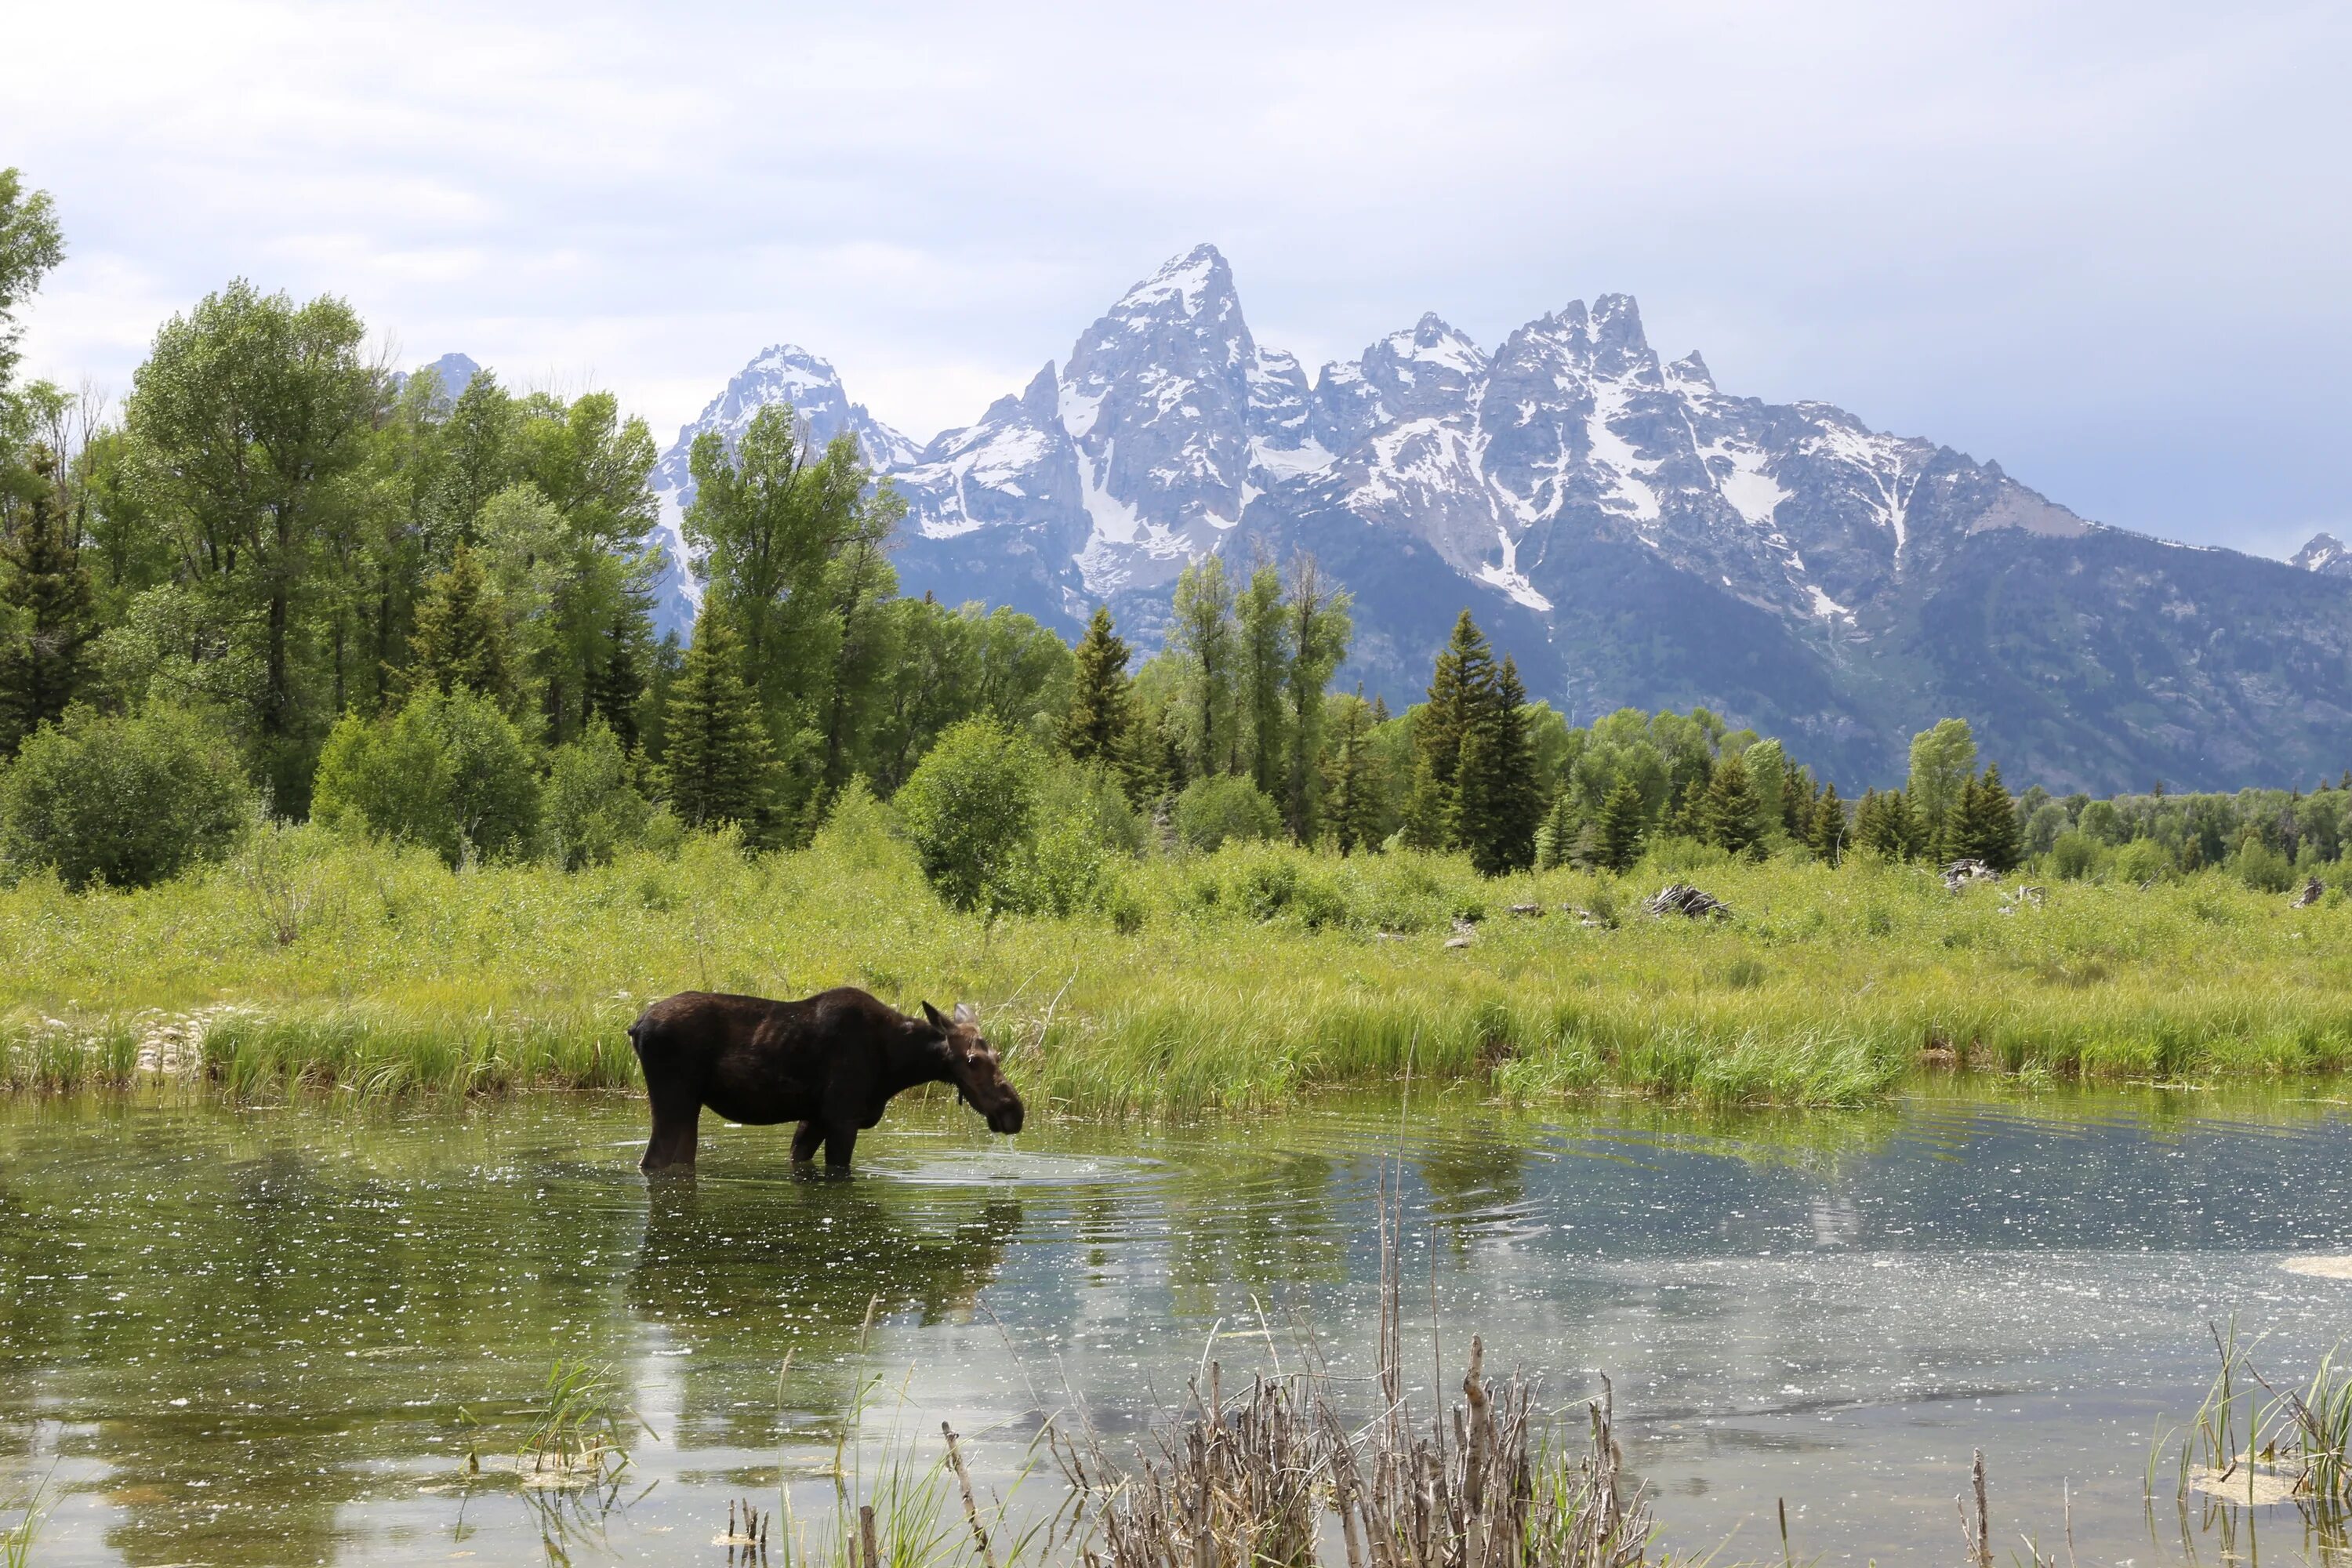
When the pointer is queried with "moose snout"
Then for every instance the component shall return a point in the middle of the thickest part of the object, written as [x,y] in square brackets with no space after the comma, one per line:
[1005,1118]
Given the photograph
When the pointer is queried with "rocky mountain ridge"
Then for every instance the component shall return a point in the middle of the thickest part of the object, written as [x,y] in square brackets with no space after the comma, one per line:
[1631,533]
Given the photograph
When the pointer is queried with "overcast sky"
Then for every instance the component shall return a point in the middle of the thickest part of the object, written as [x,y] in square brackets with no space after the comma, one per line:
[2104,244]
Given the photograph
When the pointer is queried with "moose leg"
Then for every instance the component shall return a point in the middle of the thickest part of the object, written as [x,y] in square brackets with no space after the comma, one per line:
[677,1121]
[806,1139]
[839,1140]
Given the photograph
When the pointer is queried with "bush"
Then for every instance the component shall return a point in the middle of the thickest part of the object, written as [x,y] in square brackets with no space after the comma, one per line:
[593,808]
[1224,808]
[2142,860]
[968,808]
[2262,867]
[125,801]
[447,771]
[2074,856]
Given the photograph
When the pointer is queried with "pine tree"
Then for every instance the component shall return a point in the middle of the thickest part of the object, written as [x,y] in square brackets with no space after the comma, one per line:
[1556,838]
[1498,799]
[1353,788]
[717,764]
[1732,818]
[1984,826]
[1623,826]
[1825,833]
[1461,690]
[460,643]
[1101,716]
[1884,825]
[47,592]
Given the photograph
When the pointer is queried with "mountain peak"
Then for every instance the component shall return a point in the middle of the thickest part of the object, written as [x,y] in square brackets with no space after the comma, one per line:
[2325,554]
[1189,280]
[1617,324]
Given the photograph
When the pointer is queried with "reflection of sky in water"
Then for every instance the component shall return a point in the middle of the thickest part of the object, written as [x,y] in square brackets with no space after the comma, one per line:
[1832,1309]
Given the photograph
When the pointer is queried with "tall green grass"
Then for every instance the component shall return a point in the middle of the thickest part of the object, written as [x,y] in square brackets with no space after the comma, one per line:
[1231,980]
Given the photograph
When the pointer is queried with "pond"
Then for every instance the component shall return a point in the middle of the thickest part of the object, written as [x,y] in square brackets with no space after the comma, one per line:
[273,1334]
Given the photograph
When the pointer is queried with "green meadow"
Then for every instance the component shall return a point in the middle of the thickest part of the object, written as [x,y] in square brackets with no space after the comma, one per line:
[1222,980]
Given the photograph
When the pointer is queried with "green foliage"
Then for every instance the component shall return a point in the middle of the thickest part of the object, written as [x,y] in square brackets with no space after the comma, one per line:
[2261,866]
[1202,641]
[1885,826]
[460,641]
[447,772]
[1320,632]
[46,613]
[124,802]
[1826,831]
[1943,761]
[2074,856]
[969,810]
[1356,785]
[1101,719]
[1223,809]
[1620,828]
[715,761]
[1732,819]
[593,808]
[30,245]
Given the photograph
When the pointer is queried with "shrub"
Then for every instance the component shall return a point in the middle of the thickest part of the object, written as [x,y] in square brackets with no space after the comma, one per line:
[447,771]
[969,807]
[2073,855]
[1224,808]
[593,808]
[2142,860]
[125,801]
[2262,867]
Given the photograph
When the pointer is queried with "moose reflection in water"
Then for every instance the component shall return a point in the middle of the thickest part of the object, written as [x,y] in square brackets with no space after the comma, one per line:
[831,1063]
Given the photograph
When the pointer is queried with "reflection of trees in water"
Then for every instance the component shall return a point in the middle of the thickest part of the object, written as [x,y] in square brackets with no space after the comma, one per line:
[1474,1173]
[1253,1221]
[249,1332]
[739,1273]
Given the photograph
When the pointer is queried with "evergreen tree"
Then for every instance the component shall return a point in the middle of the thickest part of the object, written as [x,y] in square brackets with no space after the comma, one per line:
[1555,837]
[1498,802]
[1097,727]
[1622,827]
[1461,691]
[1731,817]
[1883,824]
[716,762]
[1984,826]
[1825,834]
[1354,788]
[49,617]
[460,640]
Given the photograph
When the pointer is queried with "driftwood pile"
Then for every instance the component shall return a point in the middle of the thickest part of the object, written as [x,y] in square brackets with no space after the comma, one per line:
[1961,873]
[2312,893]
[2024,897]
[1682,899]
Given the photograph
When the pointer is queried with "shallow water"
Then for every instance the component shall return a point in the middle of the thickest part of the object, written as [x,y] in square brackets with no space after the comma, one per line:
[259,1335]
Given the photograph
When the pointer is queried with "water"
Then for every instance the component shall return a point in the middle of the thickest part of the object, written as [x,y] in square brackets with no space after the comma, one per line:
[233,1336]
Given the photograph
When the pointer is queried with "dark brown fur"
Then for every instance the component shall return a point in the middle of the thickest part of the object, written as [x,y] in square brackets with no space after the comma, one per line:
[830,1063]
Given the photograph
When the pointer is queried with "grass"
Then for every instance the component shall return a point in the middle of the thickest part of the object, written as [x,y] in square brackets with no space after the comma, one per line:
[1230,981]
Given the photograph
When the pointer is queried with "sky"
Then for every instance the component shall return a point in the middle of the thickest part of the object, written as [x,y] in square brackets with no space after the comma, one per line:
[2104,244]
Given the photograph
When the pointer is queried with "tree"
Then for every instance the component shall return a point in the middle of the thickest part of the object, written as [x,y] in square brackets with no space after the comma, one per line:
[1224,808]
[1201,636]
[970,809]
[30,245]
[248,417]
[1622,827]
[1943,760]
[1496,799]
[716,762]
[448,772]
[1262,648]
[1096,728]
[1884,824]
[1825,834]
[1460,692]
[49,616]
[1320,629]
[1984,826]
[593,805]
[1354,788]
[460,640]
[123,801]
[1767,770]
[1732,818]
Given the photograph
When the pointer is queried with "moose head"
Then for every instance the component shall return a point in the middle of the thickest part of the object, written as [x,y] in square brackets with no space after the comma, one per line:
[972,1066]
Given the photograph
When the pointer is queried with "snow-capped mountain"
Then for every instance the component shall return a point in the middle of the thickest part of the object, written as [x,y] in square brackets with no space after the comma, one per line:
[1631,533]
[2324,553]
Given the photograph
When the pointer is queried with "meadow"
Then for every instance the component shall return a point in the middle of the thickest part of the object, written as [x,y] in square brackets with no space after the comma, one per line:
[1223,981]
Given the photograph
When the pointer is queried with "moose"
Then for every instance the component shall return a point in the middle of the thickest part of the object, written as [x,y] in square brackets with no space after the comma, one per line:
[830,1062]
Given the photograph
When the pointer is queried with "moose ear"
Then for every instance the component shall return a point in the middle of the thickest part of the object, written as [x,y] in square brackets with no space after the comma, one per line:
[932,1013]
[966,1015]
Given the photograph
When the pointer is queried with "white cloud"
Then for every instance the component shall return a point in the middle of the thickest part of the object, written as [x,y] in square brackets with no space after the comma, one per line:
[1993,224]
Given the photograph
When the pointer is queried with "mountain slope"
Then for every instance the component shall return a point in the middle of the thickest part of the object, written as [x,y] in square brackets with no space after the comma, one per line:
[1630,533]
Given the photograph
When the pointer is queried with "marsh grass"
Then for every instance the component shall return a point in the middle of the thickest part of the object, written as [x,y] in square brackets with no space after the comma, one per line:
[2253,1443]
[1230,980]
[576,1431]
[17,1539]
